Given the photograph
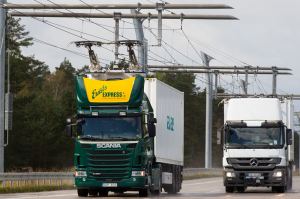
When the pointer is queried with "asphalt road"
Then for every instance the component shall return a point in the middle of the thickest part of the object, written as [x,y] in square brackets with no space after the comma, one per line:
[201,188]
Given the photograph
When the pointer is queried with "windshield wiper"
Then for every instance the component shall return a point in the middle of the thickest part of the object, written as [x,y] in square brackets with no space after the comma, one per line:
[239,145]
[119,138]
[89,137]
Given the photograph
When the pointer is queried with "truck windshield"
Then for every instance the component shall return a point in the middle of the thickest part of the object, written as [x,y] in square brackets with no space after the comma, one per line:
[112,128]
[254,137]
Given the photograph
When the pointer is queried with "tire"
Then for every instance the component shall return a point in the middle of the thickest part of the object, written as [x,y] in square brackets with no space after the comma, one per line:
[144,192]
[229,189]
[93,193]
[280,189]
[290,178]
[158,192]
[82,192]
[103,193]
[241,189]
[176,181]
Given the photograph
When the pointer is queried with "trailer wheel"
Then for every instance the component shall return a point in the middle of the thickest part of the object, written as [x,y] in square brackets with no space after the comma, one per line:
[241,189]
[144,192]
[229,189]
[82,192]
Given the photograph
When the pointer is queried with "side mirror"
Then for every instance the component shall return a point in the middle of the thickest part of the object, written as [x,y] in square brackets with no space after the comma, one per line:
[151,130]
[289,136]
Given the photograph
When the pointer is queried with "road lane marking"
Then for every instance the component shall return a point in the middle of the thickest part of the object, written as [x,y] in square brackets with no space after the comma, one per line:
[40,196]
[198,183]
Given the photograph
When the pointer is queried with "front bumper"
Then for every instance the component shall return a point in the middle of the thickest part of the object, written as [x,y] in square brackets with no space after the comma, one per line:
[254,178]
[132,183]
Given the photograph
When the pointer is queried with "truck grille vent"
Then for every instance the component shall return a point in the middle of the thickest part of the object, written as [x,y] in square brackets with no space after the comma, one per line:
[109,165]
[253,163]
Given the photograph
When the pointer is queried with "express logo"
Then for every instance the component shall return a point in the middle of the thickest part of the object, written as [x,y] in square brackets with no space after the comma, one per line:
[96,92]
[102,91]
[108,145]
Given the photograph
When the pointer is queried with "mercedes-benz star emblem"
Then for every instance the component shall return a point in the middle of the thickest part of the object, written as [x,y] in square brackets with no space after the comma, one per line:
[253,162]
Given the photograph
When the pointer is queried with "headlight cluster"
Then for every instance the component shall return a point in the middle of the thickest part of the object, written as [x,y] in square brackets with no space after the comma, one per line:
[138,173]
[230,174]
[277,174]
[80,174]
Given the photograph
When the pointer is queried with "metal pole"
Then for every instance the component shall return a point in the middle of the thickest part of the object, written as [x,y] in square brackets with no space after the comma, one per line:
[117,17]
[208,121]
[274,82]
[216,84]
[124,16]
[2,82]
[160,8]
[220,71]
[142,50]
[114,6]
[246,81]
[249,68]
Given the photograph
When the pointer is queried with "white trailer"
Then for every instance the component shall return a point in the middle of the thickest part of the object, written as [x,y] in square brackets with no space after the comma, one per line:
[258,145]
[168,107]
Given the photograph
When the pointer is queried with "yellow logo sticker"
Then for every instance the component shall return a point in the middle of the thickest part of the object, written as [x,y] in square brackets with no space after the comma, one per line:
[114,91]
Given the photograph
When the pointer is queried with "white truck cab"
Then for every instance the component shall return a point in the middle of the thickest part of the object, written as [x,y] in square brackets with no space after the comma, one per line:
[258,143]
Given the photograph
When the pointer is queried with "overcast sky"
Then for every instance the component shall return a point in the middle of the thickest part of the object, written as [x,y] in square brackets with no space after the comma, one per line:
[266,34]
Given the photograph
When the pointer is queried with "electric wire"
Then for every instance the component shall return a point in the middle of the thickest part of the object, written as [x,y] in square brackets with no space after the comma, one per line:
[64,49]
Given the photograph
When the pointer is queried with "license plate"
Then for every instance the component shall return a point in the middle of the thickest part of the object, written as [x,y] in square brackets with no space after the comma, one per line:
[254,175]
[109,185]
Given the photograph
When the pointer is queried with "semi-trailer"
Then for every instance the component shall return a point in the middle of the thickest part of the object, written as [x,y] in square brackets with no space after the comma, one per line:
[128,133]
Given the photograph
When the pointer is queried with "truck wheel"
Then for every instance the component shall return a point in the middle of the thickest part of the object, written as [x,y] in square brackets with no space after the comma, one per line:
[290,178]
[82,192]
[229,189]
[144,192]
[176,181]
[93,193]
[103,193]
[241,189]
[280,189]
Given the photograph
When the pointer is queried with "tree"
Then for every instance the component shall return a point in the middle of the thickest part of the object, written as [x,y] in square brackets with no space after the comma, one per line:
[42,102]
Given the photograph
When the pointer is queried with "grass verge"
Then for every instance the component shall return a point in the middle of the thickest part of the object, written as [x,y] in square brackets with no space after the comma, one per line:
[32,188]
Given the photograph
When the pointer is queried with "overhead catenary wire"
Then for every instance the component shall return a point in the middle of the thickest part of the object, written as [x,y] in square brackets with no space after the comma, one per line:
[66,31]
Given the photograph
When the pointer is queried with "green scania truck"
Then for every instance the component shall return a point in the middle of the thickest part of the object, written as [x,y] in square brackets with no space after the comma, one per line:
[128,135]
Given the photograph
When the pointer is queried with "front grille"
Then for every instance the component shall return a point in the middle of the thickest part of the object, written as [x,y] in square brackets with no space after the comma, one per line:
[253,163]
[109,165]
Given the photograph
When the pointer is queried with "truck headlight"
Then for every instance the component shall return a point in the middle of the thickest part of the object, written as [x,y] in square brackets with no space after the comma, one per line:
[230,174]
[80,174]
[277,174]
[138,173]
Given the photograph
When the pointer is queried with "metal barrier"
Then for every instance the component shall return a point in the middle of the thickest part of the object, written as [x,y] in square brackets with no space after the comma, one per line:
[60,178]
[36,179]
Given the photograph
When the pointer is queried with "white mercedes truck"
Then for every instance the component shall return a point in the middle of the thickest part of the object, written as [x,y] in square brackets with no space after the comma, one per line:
[258,143]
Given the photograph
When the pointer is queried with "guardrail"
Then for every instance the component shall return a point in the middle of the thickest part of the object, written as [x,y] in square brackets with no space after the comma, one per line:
[36,178]
[60,178]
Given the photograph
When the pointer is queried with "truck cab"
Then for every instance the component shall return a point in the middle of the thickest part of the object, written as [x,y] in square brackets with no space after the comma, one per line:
[258,144]
[115,132]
